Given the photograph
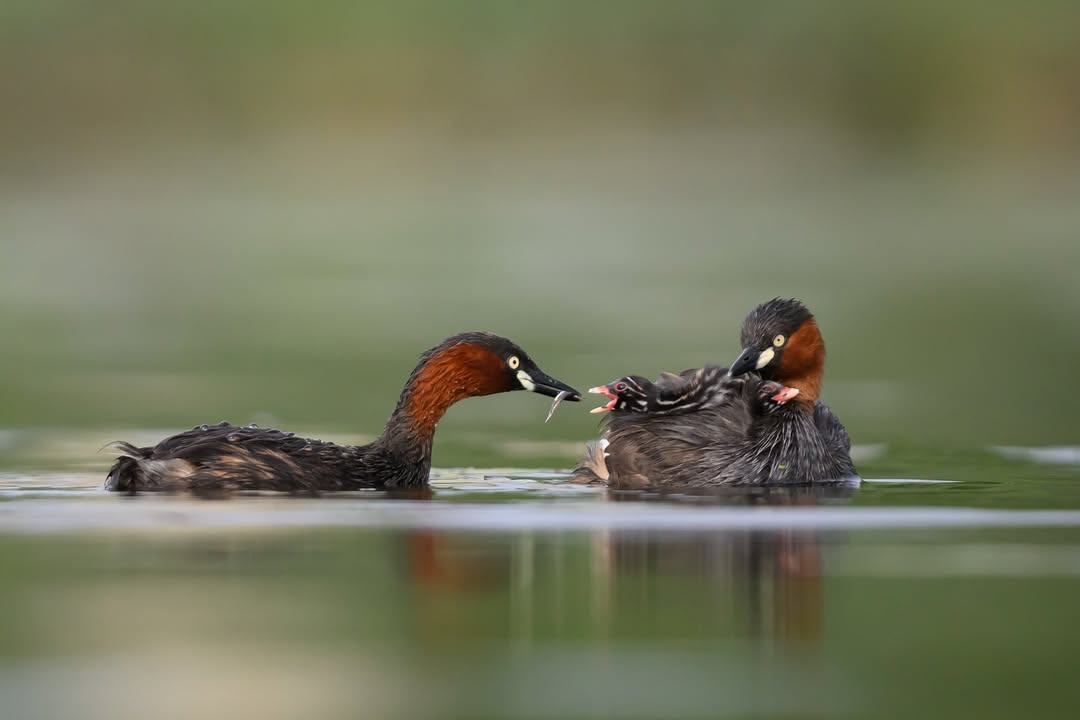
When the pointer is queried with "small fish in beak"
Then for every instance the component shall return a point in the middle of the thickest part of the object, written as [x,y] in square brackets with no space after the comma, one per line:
[555,403]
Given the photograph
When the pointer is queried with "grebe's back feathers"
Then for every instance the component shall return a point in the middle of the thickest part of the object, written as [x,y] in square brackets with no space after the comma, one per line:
[226,458]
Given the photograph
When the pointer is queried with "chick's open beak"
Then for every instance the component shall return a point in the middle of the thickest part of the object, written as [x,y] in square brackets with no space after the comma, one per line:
[785,394]
[606,392]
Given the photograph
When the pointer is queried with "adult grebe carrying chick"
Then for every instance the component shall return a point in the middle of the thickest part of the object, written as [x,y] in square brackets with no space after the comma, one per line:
[727,427]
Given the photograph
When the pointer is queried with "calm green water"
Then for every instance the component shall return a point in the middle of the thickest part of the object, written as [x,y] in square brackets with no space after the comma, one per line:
[512,594]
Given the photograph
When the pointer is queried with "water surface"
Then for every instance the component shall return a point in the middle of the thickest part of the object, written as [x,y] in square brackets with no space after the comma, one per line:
[510,593]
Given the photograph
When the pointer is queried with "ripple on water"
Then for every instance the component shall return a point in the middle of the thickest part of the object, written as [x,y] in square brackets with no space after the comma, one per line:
[470,499]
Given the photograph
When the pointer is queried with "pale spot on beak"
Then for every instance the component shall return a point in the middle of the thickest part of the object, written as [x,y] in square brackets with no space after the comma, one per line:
[526,381]
[765,358]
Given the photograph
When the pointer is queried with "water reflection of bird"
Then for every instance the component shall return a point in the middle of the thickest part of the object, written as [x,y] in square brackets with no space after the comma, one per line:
[761,583]
[769,579]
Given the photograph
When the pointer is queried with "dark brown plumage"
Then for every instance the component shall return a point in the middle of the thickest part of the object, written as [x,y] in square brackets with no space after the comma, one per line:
[224,458]
[738,441]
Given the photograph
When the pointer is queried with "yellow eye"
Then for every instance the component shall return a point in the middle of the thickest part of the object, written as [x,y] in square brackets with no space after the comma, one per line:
[513,362]
[778,340]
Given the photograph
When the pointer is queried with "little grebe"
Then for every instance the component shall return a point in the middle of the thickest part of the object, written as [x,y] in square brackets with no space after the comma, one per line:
[740,440]
[223,458]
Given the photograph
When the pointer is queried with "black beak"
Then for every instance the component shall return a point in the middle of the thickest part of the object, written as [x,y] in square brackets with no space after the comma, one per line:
[544,384]
[746,362]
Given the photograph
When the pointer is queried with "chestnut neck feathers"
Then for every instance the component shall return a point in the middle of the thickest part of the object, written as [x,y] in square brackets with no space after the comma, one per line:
[803,363]
[458,368]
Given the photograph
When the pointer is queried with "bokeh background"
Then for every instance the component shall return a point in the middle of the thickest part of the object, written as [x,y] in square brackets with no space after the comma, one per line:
[264,211]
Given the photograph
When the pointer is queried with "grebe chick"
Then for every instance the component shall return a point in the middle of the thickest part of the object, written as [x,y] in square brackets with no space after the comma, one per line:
[693,390]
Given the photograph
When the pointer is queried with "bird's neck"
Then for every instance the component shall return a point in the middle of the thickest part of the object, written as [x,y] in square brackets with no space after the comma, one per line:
[803,365]
[443,376]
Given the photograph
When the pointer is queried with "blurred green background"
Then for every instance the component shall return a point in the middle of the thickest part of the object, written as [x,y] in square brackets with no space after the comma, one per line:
[265,211]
